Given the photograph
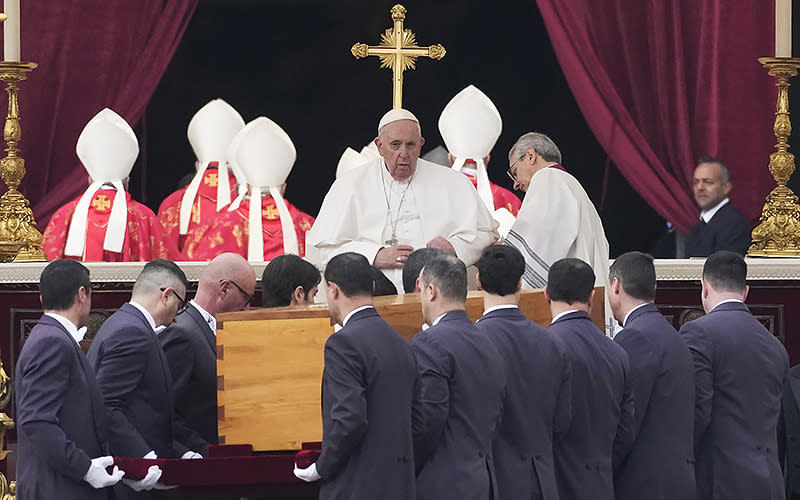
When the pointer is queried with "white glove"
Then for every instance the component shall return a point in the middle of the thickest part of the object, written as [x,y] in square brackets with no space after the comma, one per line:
[309,474]
[151,454]
[191,454]
[150,480]
[97,475]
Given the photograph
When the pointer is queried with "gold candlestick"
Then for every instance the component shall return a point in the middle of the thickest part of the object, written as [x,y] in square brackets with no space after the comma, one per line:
[778,232]
[19,239]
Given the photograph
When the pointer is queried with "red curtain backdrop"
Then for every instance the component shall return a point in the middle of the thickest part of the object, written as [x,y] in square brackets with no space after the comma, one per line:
[662,82]
[91,54]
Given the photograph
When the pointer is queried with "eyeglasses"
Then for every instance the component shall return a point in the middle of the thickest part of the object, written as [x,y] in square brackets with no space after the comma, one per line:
[183,304]
[511,168]
[247,297]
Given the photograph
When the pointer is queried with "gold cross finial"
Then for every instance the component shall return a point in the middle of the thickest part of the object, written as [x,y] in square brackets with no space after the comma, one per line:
[3,17]
[398,50]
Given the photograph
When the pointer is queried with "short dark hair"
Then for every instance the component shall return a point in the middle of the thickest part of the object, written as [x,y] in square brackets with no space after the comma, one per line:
[447,272]
[414,264]
[283,275]
[156,271]
[383,285]
[500,268]
[725,271]
[570,280]
[59,284]
[724,171]
[352,273]
[636,273]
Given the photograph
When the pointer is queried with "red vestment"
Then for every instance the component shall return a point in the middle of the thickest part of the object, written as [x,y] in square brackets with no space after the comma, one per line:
[204,211]
[231,230]
[503,198]
[143,239]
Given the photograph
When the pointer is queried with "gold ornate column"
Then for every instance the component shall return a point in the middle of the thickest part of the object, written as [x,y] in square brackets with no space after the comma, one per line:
[19,239]
[7,490]
[778,233]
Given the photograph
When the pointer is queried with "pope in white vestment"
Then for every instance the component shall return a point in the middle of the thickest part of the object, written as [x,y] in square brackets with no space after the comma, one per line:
[387,208]
[557,219]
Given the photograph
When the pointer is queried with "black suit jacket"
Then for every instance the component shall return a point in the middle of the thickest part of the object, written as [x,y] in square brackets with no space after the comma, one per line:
[134,378]
[789,436]
[727,230]
[457,410]
[367,391]
[660,463]
[602,410]
[61,421]
[740,372]
[191,349]
[538,403]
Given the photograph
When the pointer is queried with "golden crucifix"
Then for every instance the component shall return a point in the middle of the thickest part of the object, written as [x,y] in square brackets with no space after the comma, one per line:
[398,51]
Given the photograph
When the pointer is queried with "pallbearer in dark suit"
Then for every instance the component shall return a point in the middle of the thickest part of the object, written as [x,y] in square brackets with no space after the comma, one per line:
[538,398]
[602,395]
[660,463]
[460,391]
[61,422]
[740,373]
[190,344]
[289,280]
[367,391]
[134,377]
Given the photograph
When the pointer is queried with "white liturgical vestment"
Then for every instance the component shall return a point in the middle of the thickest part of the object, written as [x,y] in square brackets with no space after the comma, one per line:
[557,220]
[365,210]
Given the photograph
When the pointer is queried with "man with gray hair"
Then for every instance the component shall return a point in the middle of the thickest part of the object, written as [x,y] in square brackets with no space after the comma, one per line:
[397,203]
[721,227]
[133,375]
[557,219]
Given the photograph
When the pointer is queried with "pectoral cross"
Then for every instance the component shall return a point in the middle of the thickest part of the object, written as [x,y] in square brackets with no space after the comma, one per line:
[398,51]
[211,180]
[101,203]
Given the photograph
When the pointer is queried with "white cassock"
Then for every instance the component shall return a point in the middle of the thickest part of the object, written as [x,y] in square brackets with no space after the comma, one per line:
[557,220]
[366,209]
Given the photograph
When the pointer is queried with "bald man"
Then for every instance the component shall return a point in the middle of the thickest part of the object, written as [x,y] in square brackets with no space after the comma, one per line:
[225,285]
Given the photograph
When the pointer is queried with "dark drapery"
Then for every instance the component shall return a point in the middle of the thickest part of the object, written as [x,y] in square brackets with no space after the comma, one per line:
[92,54]
[661,83]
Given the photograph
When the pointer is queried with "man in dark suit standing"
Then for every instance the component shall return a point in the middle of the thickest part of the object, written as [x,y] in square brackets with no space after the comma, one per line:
[133,374]
[367,391]
[660,463]
[602,395]
[61,421]
[538,394]
[721,227]
[460,391]
[740,373]
[190,344]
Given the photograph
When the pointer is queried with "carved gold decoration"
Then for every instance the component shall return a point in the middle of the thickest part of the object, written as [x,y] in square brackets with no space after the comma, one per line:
[398,50]
[19,239]
[778,232]
[7,491]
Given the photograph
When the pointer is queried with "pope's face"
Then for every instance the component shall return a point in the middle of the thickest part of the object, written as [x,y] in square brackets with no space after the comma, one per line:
[709,188]
[400,143]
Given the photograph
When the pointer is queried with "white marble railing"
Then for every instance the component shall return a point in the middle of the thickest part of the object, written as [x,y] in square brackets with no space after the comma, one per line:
[666,270]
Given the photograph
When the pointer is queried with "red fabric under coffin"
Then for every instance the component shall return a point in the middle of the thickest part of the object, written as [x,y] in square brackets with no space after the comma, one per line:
[225,465]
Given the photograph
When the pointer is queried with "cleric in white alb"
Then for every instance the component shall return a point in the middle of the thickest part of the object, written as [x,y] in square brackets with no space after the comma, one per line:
[397,203]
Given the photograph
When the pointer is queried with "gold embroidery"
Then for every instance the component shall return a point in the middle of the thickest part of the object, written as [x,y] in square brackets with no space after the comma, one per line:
[101,203]
[211,179]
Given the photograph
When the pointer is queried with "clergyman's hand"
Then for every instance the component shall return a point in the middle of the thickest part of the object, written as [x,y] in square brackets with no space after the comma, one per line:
[392,257]
[441,244]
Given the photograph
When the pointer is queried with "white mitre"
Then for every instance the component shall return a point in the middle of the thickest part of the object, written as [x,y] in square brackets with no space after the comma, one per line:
[266,155]
[241,179]
[470,126]
[107,147]
[350,160]
[210,132]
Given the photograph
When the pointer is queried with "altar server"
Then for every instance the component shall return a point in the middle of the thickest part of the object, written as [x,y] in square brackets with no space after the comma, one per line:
[104,223]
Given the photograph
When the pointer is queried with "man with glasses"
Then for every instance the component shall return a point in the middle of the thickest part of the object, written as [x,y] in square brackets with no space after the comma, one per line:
[557,219]
[134,378]
[190,345]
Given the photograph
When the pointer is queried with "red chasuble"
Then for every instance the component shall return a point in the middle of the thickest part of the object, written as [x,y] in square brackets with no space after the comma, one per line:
[231,230]
[204,212]
[143,239]
[503,198]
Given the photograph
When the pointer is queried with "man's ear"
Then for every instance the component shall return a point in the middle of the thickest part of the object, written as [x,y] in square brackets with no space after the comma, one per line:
[591,299]
[451,159]
[615,285]
[547,295]
[704,288]
[478,281]
[519,285]
[746,291]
